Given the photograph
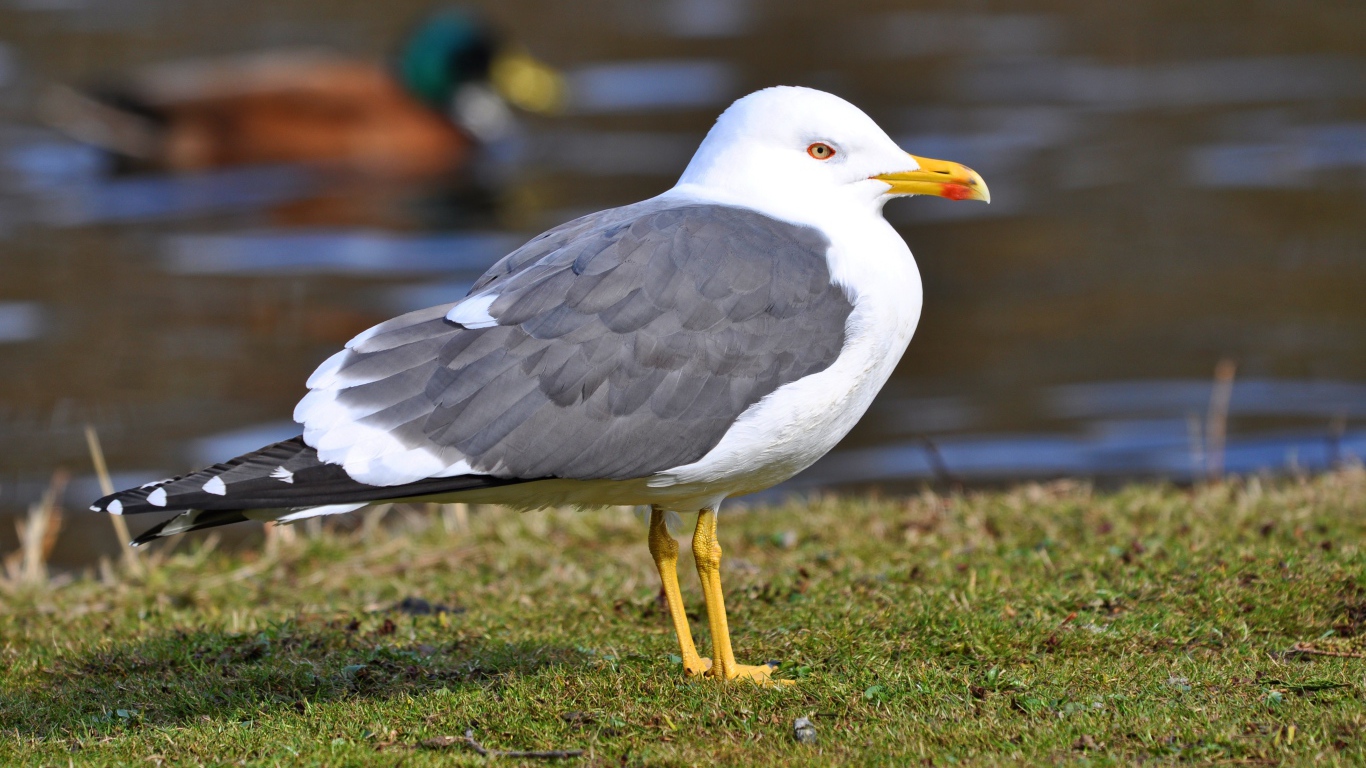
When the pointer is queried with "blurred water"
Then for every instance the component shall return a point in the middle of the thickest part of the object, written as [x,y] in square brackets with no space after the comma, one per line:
[350,251]
[635,87]
[1172,185]
[20,321]
[1121,429]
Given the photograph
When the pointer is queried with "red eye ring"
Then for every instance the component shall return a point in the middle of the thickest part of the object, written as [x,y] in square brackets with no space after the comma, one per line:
[821,151]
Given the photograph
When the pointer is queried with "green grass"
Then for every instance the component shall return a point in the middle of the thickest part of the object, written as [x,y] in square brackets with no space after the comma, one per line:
[1047,624]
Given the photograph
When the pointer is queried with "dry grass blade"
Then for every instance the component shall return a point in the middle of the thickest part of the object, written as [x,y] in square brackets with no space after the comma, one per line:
[38,535]
[1216,421]
[32,532]
[454,517]
[371,519]
[130,555]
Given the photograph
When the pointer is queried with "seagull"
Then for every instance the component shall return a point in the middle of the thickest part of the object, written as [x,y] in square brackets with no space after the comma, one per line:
[706,343]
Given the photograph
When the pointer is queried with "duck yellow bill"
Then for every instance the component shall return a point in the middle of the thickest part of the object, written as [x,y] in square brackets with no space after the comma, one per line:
[939,178]
[528,83]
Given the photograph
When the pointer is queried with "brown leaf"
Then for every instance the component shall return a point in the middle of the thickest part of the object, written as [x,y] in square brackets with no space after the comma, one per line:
[1086,744]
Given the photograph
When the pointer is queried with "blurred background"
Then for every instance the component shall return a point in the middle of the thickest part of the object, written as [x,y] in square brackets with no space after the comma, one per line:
[200,201]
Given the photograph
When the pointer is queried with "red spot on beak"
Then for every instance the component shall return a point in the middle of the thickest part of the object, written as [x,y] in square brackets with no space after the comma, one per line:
[956,192]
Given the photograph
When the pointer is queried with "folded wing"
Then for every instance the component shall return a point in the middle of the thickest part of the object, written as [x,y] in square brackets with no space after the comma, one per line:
[615,347]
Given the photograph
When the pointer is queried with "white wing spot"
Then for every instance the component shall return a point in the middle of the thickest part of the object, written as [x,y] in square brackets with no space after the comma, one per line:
[474,312]
[216,487]
[115,507]
[280,473]
[157,498]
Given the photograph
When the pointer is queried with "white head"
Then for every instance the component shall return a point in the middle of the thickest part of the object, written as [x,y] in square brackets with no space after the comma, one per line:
[789,146]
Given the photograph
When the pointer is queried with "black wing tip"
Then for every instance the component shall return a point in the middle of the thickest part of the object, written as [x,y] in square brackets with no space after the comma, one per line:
[111,504]
[132,501]
[166,496]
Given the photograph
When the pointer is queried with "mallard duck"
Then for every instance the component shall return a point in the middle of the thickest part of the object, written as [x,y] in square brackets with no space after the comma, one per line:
[451,87]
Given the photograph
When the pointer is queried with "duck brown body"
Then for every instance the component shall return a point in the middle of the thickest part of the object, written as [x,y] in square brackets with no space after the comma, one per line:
[298,107]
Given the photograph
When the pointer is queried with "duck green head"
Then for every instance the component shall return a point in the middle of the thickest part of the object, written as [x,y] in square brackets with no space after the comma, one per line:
[454,48]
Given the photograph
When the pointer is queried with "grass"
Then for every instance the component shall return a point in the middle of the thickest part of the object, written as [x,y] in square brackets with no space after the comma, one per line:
[1045,624]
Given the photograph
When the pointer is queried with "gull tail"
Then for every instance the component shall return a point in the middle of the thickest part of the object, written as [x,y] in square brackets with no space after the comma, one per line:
[285,481]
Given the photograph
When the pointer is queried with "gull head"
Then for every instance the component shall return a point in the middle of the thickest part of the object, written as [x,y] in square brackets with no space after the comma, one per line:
[788,146]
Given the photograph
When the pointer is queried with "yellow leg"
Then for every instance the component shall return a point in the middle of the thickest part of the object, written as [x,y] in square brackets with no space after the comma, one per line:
[707,551]
[665,552]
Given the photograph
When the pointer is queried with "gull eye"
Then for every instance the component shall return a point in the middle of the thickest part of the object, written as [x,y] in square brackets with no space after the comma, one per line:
[821,151]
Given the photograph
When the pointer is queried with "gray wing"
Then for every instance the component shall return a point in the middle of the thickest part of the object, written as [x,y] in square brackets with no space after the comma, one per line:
[626,343]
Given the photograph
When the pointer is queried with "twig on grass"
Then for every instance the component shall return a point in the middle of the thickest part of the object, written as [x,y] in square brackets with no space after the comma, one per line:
[1051,641]
[938,466]
[443,742]
[1347,647]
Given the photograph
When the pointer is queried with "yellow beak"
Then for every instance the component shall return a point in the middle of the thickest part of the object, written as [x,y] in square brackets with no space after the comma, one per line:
[940,178]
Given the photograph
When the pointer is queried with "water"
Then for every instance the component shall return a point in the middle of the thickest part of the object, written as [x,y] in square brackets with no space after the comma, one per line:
[1172,186]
